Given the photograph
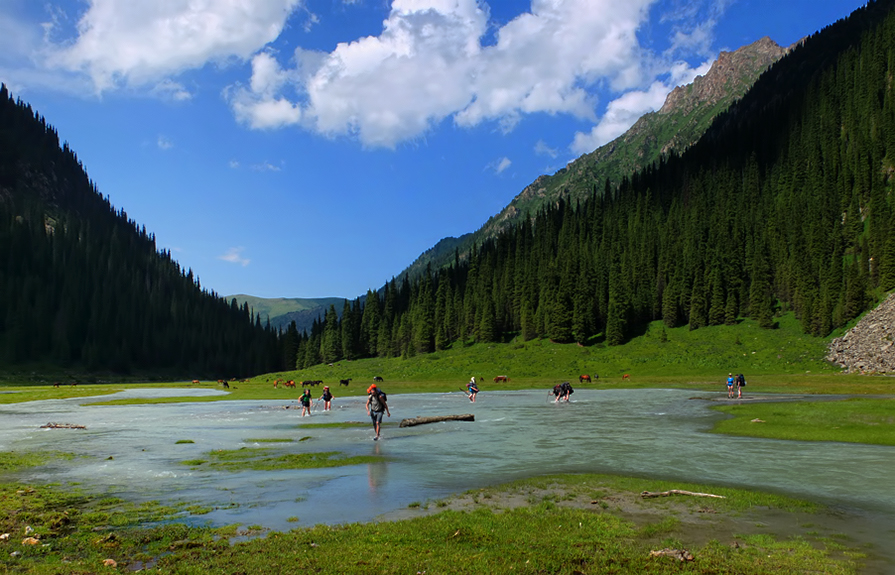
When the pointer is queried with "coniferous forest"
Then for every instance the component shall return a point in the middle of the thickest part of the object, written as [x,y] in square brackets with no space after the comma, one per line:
[785,204]
[82,287]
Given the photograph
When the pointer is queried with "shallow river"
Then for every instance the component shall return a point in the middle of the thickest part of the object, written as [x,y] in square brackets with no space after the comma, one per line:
[658,433]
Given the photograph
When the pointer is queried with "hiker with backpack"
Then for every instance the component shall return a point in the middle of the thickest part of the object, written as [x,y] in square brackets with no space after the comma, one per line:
[377,404]
[741,382]
[472,389]
[565,391]
[305,401]
[327,397]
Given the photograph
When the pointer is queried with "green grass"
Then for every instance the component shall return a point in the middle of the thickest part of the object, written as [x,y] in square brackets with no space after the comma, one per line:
[265,459]
[778,360]
[858,420]
[78,531]
[270,440]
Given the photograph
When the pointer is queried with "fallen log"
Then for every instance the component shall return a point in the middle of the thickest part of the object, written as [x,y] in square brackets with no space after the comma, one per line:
[647,494]
[421,420]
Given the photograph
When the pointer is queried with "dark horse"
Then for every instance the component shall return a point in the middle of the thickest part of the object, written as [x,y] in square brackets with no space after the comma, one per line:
[344,381]
[377,378]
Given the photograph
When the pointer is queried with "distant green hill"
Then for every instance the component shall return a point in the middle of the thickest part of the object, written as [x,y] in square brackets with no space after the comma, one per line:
[282,310]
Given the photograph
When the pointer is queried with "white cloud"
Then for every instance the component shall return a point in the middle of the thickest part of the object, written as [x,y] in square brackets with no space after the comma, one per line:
[168,89]
[500,165]
[542,149]
[135,43]
[625,110]
[234,256]
[233,164]
[164,143]
[266,166]
[429,64]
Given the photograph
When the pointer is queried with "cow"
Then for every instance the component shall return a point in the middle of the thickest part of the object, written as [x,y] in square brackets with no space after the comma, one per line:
[501,378]
[584,377]
[377,378]
[344,381]
[626,376]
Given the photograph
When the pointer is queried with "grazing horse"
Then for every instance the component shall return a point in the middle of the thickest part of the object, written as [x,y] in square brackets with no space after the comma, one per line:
[584,377]
[377,378]
[501,378]
[344,381]
[195,381]
[227,385]
[626,376]
[289,383]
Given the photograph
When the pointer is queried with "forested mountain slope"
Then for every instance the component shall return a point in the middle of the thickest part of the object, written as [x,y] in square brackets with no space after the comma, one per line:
[785,203]
[83,288]
[687,113]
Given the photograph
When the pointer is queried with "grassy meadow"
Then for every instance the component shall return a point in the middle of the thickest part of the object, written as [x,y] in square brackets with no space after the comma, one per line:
[569,524]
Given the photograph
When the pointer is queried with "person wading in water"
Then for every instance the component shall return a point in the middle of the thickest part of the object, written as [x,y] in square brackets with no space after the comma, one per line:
[376,405]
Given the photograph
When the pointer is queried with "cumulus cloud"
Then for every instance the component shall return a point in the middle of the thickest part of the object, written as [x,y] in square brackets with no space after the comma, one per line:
[430,64]
[622,112]
[234,256]
[135,43]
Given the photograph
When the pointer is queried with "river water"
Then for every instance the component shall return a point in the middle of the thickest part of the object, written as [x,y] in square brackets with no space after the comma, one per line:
[132,452]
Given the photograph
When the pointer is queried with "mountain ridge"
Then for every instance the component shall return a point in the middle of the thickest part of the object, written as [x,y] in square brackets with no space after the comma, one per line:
[686,114]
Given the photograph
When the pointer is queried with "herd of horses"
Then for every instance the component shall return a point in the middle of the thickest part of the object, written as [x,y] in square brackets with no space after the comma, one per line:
[583,378]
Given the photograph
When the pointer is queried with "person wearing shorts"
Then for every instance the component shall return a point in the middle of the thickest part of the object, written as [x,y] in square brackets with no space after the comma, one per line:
[376,406]
[730,381]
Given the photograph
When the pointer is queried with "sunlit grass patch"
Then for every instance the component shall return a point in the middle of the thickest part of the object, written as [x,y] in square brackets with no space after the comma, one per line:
[858,420]
[336,425]
[266,459]
[180,441]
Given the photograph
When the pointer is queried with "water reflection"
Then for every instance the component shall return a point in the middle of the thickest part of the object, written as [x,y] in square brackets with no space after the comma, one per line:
[132,451]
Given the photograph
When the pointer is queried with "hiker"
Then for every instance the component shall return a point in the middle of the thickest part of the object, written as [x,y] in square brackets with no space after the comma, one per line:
[472,388]
[730,382]
[376,405]
[305,401]
[741,382]
[557,392]
[327,397]
[566,390]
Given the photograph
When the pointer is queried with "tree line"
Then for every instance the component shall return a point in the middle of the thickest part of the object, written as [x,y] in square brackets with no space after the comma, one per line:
[82,287]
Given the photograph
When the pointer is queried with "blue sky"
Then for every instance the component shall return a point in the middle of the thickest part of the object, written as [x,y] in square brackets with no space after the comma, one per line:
[314,148]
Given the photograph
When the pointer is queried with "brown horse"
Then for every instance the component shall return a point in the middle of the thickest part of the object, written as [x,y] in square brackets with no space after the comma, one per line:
[583,377]
[501,378]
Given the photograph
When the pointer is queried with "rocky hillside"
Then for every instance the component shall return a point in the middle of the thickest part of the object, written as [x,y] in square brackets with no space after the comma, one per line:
[868,347]
[686,115]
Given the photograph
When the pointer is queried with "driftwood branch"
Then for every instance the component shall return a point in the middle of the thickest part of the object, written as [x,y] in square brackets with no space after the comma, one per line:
[52,425]
[647,494]
[421,420]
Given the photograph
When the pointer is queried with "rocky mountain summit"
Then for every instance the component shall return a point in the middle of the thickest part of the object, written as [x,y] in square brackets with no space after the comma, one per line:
[869,347]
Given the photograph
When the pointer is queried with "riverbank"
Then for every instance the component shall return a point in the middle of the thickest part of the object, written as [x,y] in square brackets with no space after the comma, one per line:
[557,524]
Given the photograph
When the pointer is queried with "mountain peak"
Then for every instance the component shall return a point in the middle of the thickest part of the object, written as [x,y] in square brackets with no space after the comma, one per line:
[732,72]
